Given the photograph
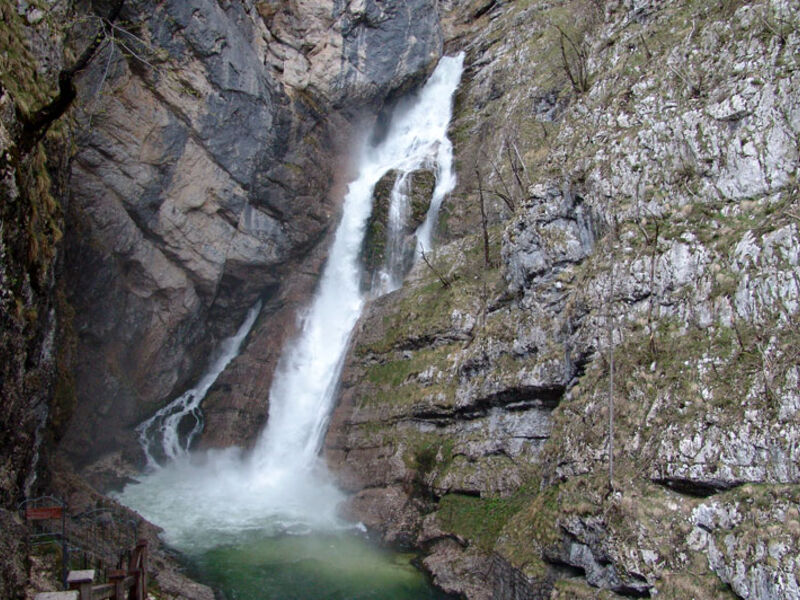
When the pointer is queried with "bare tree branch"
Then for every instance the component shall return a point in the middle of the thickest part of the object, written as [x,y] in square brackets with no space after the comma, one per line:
[610,315]
[486,260]
[442,278]
[508,197]
[515,168]
[576,68]
[522,163]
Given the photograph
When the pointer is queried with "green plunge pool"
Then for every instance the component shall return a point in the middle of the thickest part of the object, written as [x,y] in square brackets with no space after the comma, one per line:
[264,534]
[339,566]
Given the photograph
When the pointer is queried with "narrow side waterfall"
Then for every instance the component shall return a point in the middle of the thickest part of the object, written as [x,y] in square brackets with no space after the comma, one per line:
[160,435]
[203,500]
[391,274]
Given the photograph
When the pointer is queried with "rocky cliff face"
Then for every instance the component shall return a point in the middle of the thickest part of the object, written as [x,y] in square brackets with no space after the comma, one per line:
[34,380]
[205,178]
[636,164]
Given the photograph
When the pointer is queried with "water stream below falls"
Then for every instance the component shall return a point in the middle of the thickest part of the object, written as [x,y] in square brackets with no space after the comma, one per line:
[275,508]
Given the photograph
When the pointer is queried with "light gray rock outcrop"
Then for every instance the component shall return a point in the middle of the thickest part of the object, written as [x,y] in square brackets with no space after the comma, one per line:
[751,541]
[649,211]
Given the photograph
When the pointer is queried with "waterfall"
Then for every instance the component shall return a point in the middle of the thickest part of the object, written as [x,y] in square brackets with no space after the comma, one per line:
[207,499]
[418,140]
[304,388]
[391,273]
[161,433]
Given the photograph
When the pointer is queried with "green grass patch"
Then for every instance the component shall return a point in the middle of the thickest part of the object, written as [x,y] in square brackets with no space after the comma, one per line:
[481,519]
[423,309]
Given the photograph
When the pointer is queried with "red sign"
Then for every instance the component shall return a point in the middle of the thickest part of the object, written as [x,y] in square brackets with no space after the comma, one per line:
[41,513]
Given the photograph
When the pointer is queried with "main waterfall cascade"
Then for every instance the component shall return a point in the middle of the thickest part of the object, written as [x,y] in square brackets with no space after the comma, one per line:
[203,500]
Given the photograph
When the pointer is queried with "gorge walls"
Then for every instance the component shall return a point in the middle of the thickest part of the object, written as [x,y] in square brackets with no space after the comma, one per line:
[34,377]
[626,203]
[627,196]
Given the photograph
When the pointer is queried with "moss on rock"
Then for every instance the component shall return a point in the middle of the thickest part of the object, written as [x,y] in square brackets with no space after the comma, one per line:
[373,248]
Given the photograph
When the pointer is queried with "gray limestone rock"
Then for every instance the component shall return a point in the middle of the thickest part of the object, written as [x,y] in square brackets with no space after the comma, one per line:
[654,215]
[751,543]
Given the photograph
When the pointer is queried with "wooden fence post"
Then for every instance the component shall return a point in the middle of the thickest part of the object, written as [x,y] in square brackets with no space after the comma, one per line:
[138,568]
[82,581]
[143,545]
[117,577]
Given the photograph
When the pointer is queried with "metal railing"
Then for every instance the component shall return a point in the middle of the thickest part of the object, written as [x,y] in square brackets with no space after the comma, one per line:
[103,539]
[47,518]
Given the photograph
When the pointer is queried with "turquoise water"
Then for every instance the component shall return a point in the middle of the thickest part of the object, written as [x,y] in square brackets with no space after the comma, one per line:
[341,566]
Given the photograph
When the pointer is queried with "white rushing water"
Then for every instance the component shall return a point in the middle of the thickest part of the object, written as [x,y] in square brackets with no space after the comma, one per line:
[205,499]
[424,145]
